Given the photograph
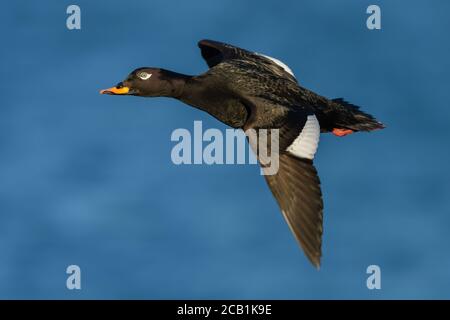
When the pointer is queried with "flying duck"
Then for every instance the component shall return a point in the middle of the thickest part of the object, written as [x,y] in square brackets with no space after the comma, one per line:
[248,90]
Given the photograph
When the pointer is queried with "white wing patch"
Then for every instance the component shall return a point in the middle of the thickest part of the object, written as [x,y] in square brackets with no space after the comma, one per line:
[278,62]
[305,145]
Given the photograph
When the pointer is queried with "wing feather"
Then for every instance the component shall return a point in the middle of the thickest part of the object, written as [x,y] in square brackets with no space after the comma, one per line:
[296,187]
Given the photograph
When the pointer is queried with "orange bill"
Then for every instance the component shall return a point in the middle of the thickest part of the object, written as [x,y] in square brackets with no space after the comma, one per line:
[115,90]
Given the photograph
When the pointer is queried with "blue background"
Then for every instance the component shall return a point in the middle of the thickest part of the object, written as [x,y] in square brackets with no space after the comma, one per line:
[87,179]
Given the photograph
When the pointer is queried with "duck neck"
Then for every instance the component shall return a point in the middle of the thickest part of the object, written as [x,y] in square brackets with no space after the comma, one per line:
[177,83]
[207,95]
[190,92]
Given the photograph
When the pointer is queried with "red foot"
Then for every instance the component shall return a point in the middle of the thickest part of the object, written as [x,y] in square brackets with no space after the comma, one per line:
[341,132]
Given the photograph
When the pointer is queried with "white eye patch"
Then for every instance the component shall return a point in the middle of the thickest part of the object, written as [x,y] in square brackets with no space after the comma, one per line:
[144,75]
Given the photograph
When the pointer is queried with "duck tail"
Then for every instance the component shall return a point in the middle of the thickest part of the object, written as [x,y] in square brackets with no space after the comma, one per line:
[342,118]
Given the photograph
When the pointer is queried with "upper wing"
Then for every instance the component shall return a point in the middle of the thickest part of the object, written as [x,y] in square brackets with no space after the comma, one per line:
[215,52]
[259,81]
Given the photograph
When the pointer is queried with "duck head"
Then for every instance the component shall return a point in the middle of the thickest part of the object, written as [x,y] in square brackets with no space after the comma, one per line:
[149,82]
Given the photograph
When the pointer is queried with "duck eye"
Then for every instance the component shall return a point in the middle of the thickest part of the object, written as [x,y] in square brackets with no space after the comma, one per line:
[144,75]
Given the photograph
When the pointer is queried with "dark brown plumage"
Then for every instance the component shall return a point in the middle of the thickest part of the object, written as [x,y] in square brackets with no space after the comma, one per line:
[248,90]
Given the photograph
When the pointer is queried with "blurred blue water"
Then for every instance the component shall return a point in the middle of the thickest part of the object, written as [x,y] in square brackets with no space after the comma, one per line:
[87,179]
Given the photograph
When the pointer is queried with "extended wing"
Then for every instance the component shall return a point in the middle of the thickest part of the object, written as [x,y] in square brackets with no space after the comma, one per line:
[270,91]
[296,185]
[215,52]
